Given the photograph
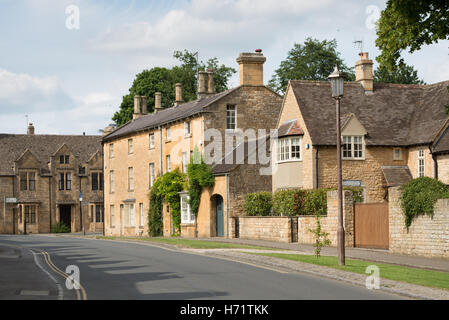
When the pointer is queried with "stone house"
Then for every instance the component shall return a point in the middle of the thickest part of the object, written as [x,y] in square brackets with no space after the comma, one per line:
[152,144]
[391,133]
[41,178]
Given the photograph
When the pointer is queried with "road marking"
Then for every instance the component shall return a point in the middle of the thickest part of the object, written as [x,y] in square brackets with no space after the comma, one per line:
[64,275]
[58,285]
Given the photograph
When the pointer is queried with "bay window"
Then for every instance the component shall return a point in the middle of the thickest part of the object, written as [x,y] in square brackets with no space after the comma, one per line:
[289,149]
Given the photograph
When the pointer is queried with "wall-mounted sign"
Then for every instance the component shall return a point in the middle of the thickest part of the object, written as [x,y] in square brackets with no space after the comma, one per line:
[10,200]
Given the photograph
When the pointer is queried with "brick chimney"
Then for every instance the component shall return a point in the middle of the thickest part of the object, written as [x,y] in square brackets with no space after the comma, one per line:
[251,68]
[137,102]
[143,103]
[30,130]
[178,92]
[211,82]
[157,101]
[364,72]
[202,82]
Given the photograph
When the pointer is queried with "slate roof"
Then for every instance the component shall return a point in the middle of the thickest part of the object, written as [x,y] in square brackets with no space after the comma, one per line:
[12,146]
[396,175]
[167,115]
[393,115]
[290,128]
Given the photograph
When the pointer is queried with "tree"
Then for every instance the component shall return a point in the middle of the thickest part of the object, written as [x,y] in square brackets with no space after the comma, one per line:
[402,74]
[313,60]
[410,24]
[163,80]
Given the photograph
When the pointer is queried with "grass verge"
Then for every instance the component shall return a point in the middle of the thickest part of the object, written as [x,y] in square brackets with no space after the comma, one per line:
[188,243]
[428,278]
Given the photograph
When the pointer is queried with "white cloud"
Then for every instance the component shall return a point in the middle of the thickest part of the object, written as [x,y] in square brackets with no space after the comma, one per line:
[30,93]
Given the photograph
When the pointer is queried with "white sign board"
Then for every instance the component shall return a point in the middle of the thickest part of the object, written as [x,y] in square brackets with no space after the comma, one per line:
[11,200]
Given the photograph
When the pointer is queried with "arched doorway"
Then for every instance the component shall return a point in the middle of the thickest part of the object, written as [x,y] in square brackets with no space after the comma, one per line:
[217,204]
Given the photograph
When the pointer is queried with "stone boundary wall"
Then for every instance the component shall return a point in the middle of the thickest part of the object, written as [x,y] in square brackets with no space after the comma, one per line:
[296,229]
[427,236]
[329,223]
[271,228]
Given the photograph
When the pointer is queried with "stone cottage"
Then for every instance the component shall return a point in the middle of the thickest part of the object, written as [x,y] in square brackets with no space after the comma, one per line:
[391,133]
[152,144]
[42,177]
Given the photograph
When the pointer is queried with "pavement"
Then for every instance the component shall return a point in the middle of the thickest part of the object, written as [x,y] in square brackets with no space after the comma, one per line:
[142,270]
[382,256]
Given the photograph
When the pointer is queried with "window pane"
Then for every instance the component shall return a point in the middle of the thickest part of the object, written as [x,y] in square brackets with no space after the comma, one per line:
[296,148]
[347,147]
[230,117]
[101,181]
[91,213]
[67,159]
[95,181]
[61,181]
[61,159]
[32,181]
[111,220]
[23,181]
[68,181]
[97,213]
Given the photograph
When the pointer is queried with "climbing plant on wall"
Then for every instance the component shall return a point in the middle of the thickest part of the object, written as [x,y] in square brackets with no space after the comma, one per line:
[199,176]
[166,189]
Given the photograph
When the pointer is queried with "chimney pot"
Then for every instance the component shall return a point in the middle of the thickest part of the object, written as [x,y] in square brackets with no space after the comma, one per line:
[30,130]
[178,92]
[144,104]
[364,72]
[157,101]
[251,68]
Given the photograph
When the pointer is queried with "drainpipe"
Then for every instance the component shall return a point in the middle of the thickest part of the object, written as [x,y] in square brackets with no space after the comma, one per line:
[316,167]
[162,164]
[227,204]
[49,199]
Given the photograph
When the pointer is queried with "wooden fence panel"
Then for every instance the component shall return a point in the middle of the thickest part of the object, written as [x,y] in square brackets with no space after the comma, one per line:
[371,225]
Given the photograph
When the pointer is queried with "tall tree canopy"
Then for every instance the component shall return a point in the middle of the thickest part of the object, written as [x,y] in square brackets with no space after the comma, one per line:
[163,80]
[313,60]
[402,74]
[410,24]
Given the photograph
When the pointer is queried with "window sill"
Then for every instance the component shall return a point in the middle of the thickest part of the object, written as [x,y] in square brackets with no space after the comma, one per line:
[187,224]
[167,141]
[356,159]
[151,148]
[188,136]
[286,161]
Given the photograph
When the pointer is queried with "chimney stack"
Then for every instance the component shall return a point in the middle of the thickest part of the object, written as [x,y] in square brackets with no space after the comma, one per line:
[30,130]
[144,104]
[157,101]
[178,92]
[202,91]
[137,102]
[211,82]
[108,129]
[364,72]
[251,68]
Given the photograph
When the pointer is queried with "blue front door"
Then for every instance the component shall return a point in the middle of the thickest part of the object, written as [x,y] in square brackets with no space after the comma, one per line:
[220,220]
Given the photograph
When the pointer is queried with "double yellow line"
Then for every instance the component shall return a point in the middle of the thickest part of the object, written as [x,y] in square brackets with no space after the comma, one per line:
[80,293]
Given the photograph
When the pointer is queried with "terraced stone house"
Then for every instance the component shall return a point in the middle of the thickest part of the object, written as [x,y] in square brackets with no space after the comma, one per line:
[42,178]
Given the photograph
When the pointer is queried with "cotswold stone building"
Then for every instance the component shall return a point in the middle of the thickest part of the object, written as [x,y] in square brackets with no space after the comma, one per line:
[152,144]
[41,178]
[391,133]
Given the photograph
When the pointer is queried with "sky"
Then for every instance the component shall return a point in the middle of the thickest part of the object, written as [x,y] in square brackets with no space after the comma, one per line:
[65,64]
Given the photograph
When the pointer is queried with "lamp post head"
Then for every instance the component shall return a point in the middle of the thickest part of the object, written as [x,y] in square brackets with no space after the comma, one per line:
[337,78]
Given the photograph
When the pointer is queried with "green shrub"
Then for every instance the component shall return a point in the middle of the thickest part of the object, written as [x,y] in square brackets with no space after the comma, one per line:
[60,228]
[357,193]
[258,204]
[289,202]
[316,202]
[419,196]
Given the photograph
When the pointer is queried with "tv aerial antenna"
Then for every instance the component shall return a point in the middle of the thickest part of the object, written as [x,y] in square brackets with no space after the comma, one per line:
[359,43]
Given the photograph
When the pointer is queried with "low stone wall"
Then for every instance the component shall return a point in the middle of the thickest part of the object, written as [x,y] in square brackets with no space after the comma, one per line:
[329,223]
[427,236]
[266,228]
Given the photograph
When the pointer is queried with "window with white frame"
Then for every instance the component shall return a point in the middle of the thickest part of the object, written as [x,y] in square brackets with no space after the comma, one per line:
[184,162]
[152,176]
[421,163]
[352,147]
[130,146]
[186,215]
[168,163]
[111,181]
[111,151]
[130,219]
[112,215]
[289,149]
[130,179]
[187,128]
[141,213]
[151,136]
[168,134]
[397,154]
[231,117]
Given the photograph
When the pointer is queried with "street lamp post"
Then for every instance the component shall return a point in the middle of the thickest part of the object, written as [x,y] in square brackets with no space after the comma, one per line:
[337,78]
[81,213]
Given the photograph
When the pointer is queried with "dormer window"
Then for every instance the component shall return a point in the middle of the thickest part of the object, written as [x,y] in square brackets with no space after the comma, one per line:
[64,159]
[28,181]
[353,148]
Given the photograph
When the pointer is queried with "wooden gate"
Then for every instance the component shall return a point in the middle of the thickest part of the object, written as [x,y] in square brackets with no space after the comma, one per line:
[371,225]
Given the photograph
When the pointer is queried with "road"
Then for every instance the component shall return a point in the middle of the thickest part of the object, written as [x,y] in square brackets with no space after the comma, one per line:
[33,266]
